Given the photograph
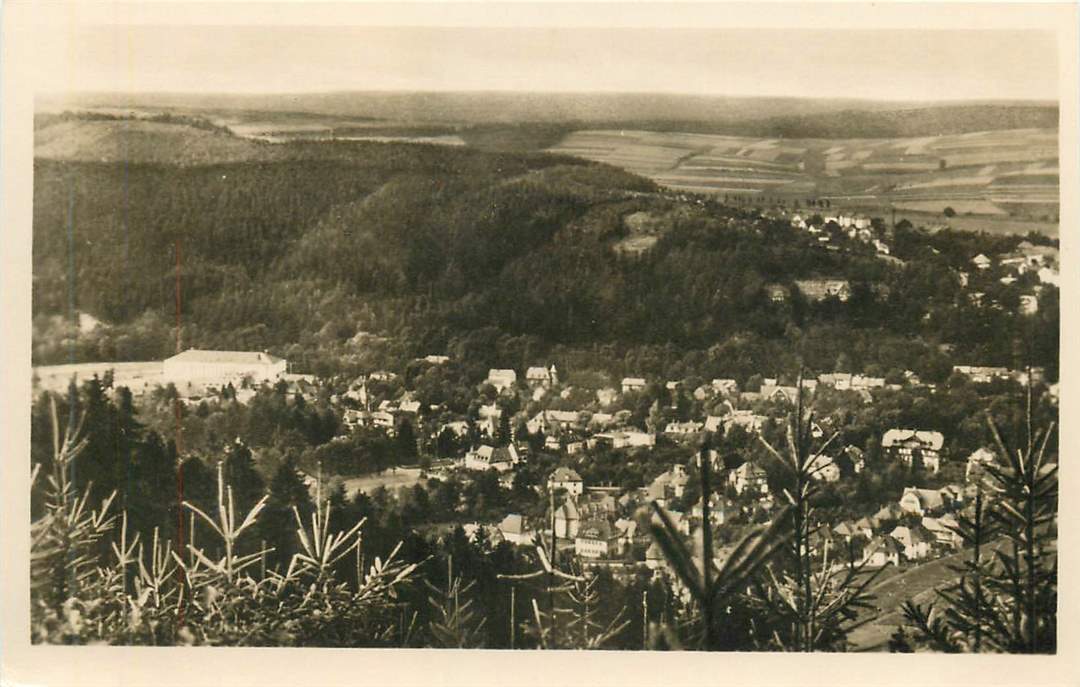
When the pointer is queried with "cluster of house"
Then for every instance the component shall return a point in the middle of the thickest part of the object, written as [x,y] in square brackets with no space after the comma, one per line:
[596,520]
[855,226]
[1043,261]
[922,523]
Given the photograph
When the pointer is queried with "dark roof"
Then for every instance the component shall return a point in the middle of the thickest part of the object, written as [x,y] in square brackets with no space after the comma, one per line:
[595,529]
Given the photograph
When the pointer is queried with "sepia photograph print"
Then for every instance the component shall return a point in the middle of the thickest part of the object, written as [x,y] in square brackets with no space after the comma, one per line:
[486,328]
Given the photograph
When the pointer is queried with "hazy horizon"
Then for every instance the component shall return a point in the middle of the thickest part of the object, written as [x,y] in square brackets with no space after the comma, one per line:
[490,91]
[867,65]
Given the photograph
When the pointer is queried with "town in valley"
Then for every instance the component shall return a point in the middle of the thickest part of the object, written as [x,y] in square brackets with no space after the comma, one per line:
[581,369]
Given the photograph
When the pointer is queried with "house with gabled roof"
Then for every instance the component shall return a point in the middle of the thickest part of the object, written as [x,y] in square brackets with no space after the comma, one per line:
[888,514]
[669,484]
[749,478]
[847,530]
[568,479]
[779,393]
[541,376]
[943,530]
[596,539]
[866,526]
[922,502]
[514,529]
[501,379]
[881,551]
[487,457]
[909,444]
[916,541]
[633,384]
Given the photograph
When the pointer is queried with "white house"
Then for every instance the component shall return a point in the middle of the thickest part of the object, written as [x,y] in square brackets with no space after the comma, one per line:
[196,367]
[632,384]
[683,429]
[922,502]
[622,439]
[981,261]
[541,376]
[597,539]
[486,457]
[501,379]
[568,479]
[749,478]
[915,540]
[881,551]
[515,530]
[905,444]
[725,386]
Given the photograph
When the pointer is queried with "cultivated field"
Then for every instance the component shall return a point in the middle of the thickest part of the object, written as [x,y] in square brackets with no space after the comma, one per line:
[1008,174]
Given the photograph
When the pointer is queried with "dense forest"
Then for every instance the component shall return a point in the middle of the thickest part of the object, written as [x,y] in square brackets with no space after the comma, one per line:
[492,257]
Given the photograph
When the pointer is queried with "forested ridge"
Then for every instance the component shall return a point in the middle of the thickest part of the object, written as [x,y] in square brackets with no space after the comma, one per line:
[474,253]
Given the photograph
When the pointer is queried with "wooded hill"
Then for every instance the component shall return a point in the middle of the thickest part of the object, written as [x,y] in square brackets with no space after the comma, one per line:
[298,247]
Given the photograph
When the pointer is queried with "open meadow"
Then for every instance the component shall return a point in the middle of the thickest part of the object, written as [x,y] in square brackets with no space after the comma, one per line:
[1009,174]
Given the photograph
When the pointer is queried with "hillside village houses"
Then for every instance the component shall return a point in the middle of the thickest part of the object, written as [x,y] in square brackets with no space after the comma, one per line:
[554,421]
[907,444]
[632,384]
[200,369]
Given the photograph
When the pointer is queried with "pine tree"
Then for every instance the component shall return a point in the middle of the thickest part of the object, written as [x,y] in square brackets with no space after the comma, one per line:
[276,522]
[1007,601]
[241,475]
[810,604]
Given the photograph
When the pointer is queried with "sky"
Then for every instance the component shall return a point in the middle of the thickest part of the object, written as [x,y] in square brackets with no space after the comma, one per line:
[872,64]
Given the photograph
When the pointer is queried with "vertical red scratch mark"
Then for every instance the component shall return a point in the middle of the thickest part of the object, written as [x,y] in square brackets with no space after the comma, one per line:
[177,440]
